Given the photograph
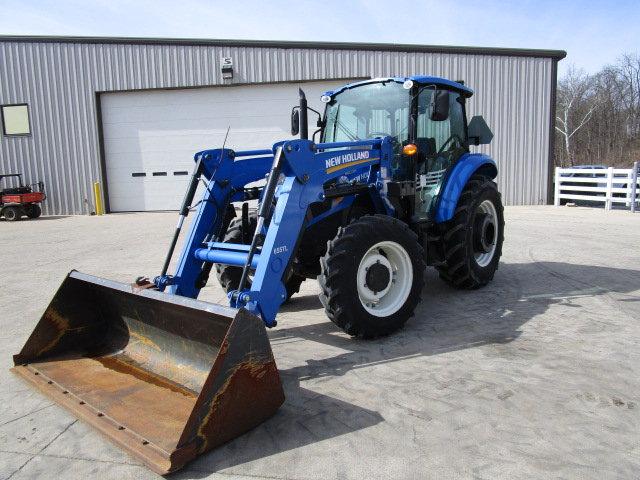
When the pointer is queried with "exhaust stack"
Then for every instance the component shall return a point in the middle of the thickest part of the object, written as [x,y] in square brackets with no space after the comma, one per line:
[304,124]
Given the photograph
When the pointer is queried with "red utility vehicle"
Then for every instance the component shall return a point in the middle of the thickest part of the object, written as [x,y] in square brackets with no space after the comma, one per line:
[16,202]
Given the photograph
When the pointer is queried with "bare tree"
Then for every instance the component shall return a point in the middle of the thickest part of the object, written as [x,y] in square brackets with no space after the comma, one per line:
[629,74]
[574,93]
[598,116]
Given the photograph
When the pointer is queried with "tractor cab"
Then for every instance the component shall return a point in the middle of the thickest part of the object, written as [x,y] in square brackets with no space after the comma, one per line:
[425,115]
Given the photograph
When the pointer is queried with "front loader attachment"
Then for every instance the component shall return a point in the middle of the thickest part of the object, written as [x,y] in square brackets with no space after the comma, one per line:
[165,377]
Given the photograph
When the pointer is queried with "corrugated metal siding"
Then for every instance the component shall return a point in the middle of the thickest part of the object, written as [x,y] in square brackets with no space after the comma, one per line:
[59,81]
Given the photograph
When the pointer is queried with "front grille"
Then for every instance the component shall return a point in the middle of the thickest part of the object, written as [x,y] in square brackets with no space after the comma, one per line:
[429,180]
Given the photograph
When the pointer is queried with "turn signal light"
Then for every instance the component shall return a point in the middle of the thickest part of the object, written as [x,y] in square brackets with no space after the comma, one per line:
[409,149]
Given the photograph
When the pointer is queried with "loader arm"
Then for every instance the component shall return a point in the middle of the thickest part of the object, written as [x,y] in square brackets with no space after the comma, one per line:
[226,173]
[304,169]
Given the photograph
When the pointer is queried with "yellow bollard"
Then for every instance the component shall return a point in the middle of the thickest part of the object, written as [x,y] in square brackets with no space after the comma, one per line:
[97,198]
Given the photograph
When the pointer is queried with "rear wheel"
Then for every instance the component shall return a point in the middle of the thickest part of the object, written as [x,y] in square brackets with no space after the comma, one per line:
[372,276]
[33,211]
[472,241]
[229,276]
[12,214]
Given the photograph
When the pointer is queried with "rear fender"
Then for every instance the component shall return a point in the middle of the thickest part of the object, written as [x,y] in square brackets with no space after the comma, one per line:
[456,180]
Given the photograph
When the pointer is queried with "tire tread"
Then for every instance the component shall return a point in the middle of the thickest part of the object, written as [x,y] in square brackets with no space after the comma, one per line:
[457,268]
[334,296]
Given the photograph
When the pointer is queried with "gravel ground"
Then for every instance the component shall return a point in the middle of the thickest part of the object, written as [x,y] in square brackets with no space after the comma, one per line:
[534,376]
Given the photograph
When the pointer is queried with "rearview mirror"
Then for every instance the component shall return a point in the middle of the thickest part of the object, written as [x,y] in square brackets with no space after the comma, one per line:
[295,121]
[439,106]
[479,132]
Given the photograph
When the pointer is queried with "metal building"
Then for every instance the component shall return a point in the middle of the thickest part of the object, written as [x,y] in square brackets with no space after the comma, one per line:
[126,111]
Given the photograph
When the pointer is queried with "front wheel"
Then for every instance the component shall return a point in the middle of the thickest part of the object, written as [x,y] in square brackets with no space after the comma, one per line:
[12,214]
[472,239]
[372,276]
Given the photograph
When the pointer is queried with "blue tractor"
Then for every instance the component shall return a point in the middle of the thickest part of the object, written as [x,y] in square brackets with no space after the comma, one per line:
[385,186]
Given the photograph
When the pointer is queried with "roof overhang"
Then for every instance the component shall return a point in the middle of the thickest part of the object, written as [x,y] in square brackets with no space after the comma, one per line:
[389,47]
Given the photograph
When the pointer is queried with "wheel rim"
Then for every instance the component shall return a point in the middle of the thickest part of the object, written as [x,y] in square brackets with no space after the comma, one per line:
[395,259]
[485,234]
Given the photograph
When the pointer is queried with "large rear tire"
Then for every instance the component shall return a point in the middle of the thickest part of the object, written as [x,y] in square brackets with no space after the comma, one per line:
[472,239]
[229,276]
[372,276]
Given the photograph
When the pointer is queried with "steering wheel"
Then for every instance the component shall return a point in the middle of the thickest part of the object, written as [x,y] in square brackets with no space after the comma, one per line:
[448,141]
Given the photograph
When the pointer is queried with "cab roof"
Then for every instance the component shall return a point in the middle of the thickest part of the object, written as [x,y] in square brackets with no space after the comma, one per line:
[420,79]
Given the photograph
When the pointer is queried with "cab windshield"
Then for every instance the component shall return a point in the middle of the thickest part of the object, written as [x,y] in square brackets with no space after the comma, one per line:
[368,111]
[383,109]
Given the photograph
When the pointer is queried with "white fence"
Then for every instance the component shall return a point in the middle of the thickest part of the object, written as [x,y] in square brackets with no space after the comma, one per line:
[606,185]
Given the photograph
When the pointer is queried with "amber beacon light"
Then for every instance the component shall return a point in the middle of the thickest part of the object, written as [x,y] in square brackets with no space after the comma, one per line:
[410,149]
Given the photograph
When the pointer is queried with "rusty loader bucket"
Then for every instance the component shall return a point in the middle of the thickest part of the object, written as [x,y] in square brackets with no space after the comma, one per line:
[165,377]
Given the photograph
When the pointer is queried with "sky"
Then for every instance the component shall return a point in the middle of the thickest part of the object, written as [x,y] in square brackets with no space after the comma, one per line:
[594,33]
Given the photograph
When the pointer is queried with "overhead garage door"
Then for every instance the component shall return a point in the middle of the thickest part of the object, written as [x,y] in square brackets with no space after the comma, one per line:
[150,136]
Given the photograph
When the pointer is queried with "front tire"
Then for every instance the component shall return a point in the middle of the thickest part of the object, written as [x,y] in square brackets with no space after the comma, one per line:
[472,240]
[12,214]
[372,276]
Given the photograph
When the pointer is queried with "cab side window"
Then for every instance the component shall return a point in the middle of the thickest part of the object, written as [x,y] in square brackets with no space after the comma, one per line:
[445,134]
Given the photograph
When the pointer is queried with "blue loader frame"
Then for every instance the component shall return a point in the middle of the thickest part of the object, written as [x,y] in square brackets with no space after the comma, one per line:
[298,172]
[304,167]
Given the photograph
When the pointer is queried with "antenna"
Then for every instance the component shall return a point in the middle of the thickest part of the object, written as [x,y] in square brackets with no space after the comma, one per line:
[224,142]
[186,206]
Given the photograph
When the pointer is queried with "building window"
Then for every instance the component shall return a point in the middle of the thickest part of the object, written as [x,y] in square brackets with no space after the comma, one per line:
[15,119]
